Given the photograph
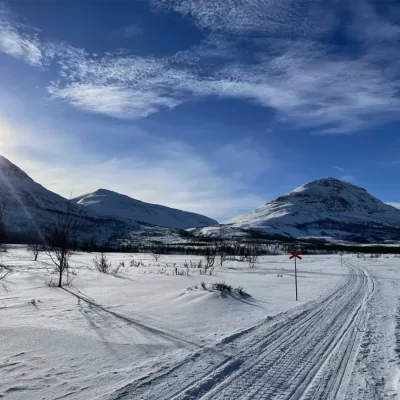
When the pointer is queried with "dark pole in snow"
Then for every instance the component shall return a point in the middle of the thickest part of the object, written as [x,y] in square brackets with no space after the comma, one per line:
[295,275]
[295,254]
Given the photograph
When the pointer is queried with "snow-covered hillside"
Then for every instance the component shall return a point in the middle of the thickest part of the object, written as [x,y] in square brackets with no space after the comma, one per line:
[29,209]
[27,205]
[106,203]
[327,208]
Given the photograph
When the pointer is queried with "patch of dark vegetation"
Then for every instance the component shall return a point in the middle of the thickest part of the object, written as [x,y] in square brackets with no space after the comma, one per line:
[220,287]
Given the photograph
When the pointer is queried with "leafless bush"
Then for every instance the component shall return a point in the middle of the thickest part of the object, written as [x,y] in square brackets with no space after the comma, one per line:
[252,252]
[252,260]
[34,250]
[209,257]
[240,290]
[51,283]
[102,264]
[136,264]
[224,287]
[156,256]
[192,288]
[118,269]
[4,273]
[180,271]
[193,264]
[158,271]
[203,285]
[206,271]
[221,287]
[34,302]
[222,254]
[61,239]
[209,261]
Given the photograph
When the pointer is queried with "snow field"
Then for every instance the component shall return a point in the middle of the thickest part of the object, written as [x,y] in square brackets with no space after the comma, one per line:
[142,334]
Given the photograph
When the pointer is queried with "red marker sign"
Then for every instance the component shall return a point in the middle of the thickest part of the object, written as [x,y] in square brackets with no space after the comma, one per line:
[295,254]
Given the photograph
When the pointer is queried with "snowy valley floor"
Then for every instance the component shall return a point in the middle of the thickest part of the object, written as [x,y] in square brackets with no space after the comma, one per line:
[142,335]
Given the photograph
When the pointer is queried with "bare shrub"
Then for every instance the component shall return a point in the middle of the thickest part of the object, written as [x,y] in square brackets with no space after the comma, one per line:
[180,271]
[156,256]
[102,264]
[4,273]
[193,264]
[241,291]
[222,254]
[33,302]
[51,283]
[118,269]
[203,285]
[222,287]
[209,257]
[252,255]
[136,264]
[205,271]
[34,250]
[61,240]
[158,271]
[209,261]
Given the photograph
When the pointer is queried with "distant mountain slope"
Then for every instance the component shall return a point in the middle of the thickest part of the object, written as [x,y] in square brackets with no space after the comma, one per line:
[326,208]
[106,203]
[30,209]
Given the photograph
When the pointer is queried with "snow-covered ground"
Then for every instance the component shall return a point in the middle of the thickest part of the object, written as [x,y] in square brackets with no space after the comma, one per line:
[142,334]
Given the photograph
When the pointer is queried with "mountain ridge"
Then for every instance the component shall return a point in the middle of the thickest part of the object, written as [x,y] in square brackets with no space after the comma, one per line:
[30,209]
[325,208]
[108,203]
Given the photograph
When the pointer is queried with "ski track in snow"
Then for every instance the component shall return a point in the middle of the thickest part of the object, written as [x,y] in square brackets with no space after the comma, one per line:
[308,354]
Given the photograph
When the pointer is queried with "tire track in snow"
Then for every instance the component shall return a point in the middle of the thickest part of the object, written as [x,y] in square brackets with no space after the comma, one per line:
[286,369]
[306,356]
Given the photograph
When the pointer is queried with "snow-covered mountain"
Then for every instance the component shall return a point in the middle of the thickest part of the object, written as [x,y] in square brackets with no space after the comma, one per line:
[325,208]
[106,203]
[30,209]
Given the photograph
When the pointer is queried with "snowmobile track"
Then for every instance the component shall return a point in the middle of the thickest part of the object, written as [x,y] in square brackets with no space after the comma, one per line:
[308,355]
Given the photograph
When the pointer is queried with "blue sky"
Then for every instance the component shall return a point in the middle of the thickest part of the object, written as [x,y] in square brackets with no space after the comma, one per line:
[209,106]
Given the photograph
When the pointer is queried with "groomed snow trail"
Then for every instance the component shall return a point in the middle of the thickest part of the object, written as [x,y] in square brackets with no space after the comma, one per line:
[308,354]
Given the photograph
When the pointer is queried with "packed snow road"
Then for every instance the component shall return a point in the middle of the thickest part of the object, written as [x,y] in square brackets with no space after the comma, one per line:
[304,354]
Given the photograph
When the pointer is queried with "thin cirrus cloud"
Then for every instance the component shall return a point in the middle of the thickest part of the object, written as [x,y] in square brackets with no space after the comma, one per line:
[271,17]
[307,81]
[16,43]
[168,172]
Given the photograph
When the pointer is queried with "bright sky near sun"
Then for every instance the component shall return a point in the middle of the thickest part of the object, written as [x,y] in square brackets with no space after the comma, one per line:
[208,106]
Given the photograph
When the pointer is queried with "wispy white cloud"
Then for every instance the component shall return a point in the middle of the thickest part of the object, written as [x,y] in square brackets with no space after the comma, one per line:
[273,17]
[394,204]
[307,83]
[339,168]
[115,101]
[165,172]
[16,43]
